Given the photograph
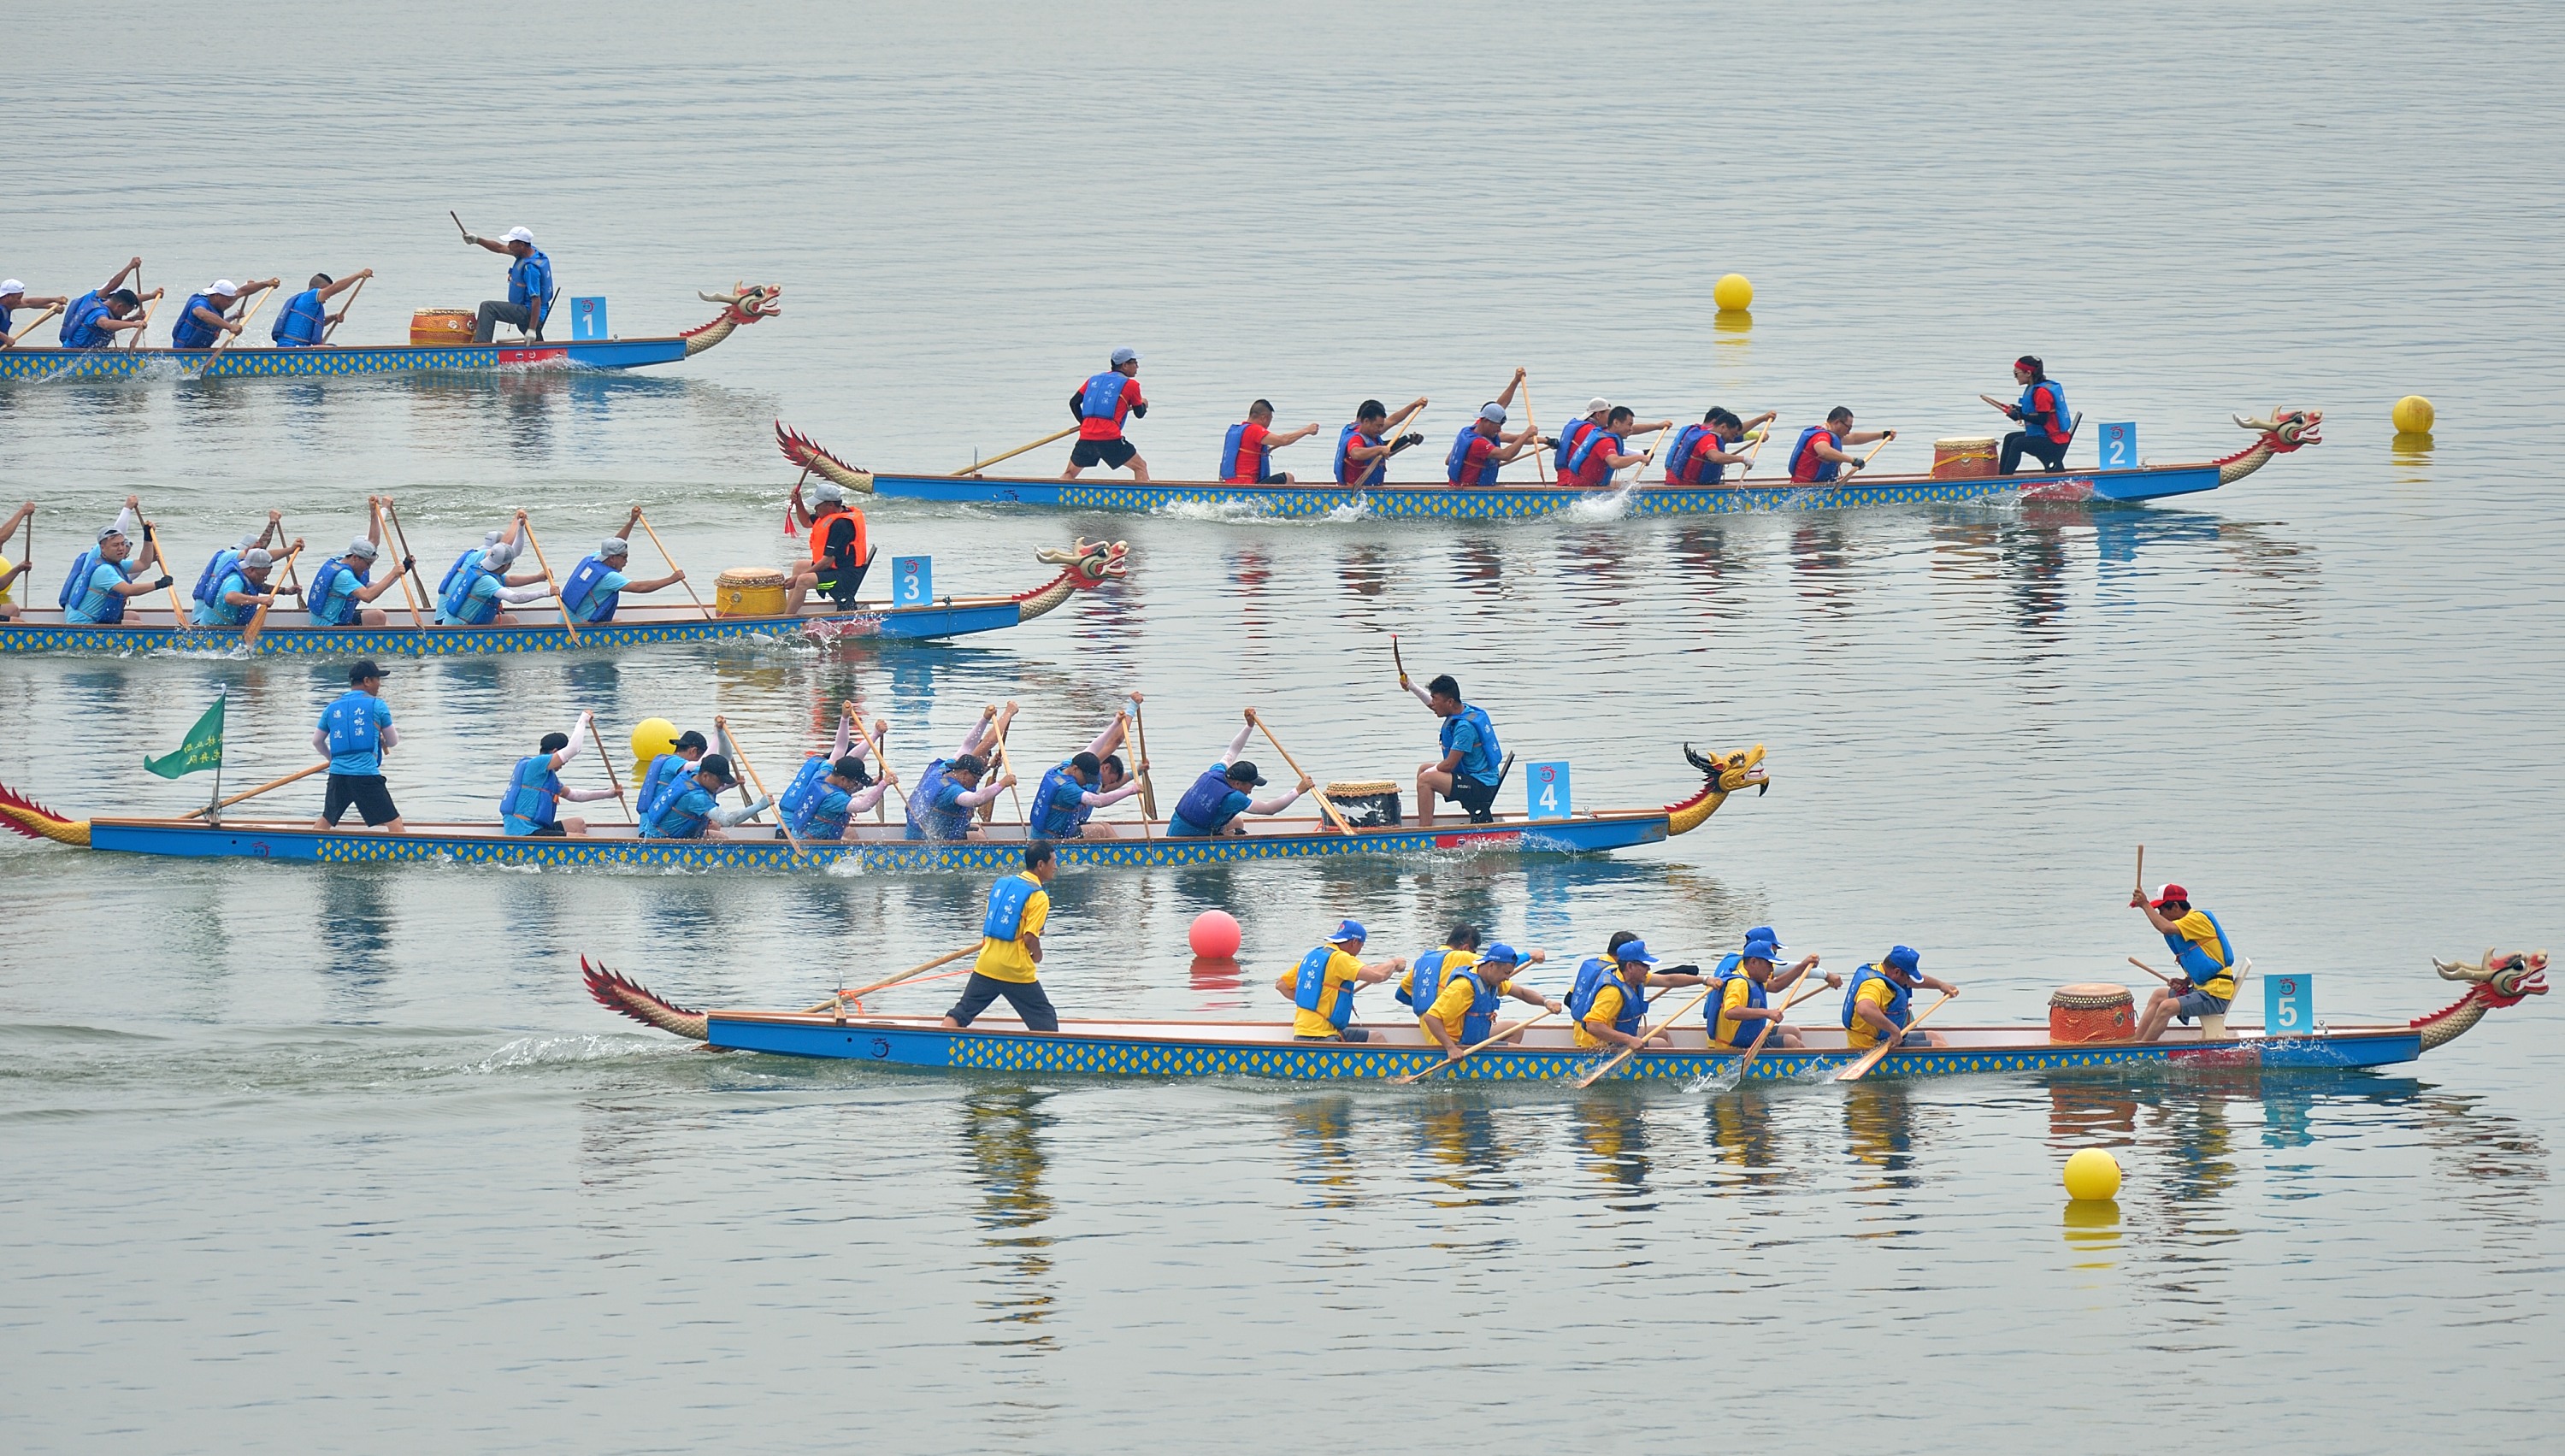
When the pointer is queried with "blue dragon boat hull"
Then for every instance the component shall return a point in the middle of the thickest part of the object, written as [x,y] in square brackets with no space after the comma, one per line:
[386,359]
[402,639]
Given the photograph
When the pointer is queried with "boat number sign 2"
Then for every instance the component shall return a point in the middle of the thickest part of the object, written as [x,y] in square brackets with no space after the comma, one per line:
[2120,446]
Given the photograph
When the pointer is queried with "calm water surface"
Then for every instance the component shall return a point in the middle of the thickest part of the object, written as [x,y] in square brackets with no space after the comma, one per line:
[342,1159]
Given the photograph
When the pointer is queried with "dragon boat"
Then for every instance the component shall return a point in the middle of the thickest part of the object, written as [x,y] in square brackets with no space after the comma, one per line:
[1166,1049]
[743,305]
[290,634]
[2282,432]
[882,847]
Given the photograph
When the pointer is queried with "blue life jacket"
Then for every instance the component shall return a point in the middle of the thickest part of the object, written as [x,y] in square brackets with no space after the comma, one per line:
[1902,995]
[813,806]
[1453,462]
[215,570]
[189,331]
[1345,464]
[303,321]
[1744,1035]
[1480,1021]
[1481,766]
[348,723]
[1007,900]
[1569,438]
[464,565]
[1311,987]
[76,580]
[1060,810]
[668,776]
[1203,808]
[530,282]
[1425,980]
[82,596]
[581,583]
[1229,456]
[456,598]
[218,613]
[1681,469]
[2061,424]
[1826,469]
[81,323]
[530,800]
[1584,451]
[928,817]
[2197,963]
[331,603]
[1593,974]
[800,796]
[677,817]
[1104,395]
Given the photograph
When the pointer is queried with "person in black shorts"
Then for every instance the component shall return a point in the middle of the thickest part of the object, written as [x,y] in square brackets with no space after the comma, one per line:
[1099,406]
[354,731]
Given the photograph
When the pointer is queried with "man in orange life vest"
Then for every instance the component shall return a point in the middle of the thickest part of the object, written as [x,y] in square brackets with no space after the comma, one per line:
[1598,451]
[1100,405]
[1247,456]
[1700,455]
[1820,455]
[1363,455]
[840,553]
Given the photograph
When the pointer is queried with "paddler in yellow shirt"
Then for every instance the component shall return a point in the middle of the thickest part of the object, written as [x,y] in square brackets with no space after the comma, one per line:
[1464,1010]
[1323,988]
[1010,948]
[10,570]
[1882,1001]
[1745,1003]
[1610,994]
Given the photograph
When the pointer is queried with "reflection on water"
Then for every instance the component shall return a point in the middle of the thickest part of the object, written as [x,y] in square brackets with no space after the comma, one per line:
[1612,1143]
[1316,1137]
[1001,1132]
[1457,1136]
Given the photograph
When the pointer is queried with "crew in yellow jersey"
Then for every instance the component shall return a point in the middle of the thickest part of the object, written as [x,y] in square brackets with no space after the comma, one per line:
[1881,1002]
[1611,997]
[1010,948]
[1756,994]
[1459,951]
[2201,947]
[1323,988]
[10,570]
[1464,1010]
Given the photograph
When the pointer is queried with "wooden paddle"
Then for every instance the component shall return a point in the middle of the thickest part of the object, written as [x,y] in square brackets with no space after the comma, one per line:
[1772,1021]
[613,780]
[1148,785]
[859,993]
[1462,1054]
[2141,886]
[254,793]
[290,580]
[1645,1034]
[1641,469]
[723,728]
[257,618]
[133,339]
[1298,772]
[672,564]
[1871,1058]
[1540,458]
[458,225]
[881,761]
[35,324]
[1875,449]
[343,313]
[256,304]
[407,594]
[161,556]
[392,514]
[976,467]
[1760,436]
[1146,832]
[555,586]
[989,811]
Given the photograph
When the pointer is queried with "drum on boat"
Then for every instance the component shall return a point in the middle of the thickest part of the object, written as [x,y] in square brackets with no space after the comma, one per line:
[1964,457]
[2091,1011]
[749,592]
[443,326]
[1367,805]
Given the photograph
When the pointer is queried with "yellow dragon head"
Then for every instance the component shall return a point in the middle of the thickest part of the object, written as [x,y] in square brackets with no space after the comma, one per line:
[1720,777]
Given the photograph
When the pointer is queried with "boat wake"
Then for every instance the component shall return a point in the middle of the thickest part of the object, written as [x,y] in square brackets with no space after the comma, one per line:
[526,1052]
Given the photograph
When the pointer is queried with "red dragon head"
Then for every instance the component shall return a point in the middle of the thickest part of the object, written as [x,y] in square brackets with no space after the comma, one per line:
[747,304]
[2287,429]
[1087,564]
[2500,980]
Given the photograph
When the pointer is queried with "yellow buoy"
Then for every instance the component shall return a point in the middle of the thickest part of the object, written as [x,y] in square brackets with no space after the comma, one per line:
[2092,1175]
[2413,415]
[1734,292]
[651,737]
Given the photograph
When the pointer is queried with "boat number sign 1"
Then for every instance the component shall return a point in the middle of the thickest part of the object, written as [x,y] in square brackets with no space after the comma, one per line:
[1548,786]
[912,581]
[2120,446]
[2288,1006]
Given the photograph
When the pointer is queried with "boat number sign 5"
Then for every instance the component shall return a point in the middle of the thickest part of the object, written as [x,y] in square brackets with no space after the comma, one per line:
[2288,1006]
[2120,446]
[1548,786]
[912,581]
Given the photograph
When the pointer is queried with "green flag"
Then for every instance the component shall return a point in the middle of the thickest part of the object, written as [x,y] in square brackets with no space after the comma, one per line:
[202,750]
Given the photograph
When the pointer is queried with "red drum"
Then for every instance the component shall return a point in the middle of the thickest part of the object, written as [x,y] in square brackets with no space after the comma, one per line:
[2091,1011]
[1966,459]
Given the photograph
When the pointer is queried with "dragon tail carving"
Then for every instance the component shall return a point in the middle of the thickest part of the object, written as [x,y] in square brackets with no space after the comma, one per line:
[1083,568]
[36,822]
[634,1000]
[807,452]
[2495,982]
[742,304]
[1720,777]
[2285,430]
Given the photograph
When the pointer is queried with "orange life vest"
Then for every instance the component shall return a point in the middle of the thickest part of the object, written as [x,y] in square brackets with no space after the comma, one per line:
[820,525]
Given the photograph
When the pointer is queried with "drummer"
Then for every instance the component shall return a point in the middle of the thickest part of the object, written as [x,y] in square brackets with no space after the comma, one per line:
[1471,760]
[1218,800]
[1881,1001]
[2047,428]
[2201,947]
[841,552]
[1820,455]
[531,288]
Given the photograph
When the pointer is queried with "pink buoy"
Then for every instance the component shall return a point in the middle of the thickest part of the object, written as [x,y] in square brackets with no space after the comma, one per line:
[1213,935]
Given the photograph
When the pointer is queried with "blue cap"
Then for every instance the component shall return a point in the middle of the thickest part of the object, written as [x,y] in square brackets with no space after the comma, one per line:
[1126,355]
[1349,930]
[1502,952]
[1636,950]
[1902,960]
[1762,950]
[1764,932]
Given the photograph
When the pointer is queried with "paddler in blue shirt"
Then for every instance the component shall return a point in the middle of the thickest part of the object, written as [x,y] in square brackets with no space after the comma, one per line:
[2200,946]
[1069,793]
[306,321]
[13,297]
[1321,989]
[668,771]
[949,790]
[219,567]
[694,806]
[102,579]
[531,288]
[595,585]
[354,731]
[1218,800]
[531,806]
[2047,428]
[1471,764]
[207,316]
[342,586]
[92,320]
[240,591]
[830,789]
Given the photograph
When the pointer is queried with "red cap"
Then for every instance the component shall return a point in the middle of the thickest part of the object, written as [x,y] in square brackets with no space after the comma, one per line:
[2170,893]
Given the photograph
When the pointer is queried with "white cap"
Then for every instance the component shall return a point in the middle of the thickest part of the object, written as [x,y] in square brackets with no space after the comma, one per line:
[614,546]
[490,539]
[827,490]
[1492,414]
[499,555]
[108,533]
[362,549]
[1597,404]
[1126,355]
[256,559]
[223,286]
[518,235]
[9,286]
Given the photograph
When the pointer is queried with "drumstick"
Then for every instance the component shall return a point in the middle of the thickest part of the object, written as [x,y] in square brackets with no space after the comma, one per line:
[2150,970]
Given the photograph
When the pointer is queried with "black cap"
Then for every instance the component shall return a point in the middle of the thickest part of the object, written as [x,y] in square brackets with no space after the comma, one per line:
[715,765]
[968,763]
[689,738]
[363,671]
[1243,772]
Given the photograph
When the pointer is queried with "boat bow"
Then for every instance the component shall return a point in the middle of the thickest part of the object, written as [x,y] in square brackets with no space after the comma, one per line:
[2285,431]
[2499,981]
[743,304]
[1720,777]
[1083,568]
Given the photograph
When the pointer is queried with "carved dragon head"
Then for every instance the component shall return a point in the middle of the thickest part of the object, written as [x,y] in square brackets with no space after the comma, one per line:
[748,304]
[1089,561]
[1722,776]
[2287,429]
[2501,979]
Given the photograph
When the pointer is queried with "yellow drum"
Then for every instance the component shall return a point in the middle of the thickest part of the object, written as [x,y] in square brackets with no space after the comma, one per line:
[1965,457]
[2091,1011]
[749,592]
[443,326]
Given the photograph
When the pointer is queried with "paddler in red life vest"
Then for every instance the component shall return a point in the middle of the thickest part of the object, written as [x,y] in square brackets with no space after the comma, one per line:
[2046,426]
[1463,1012]
[1246,455]
[1597,410]
[1322,990]
[1011,950]
[1100,405]
[840,549]
[2201,947]
[1881,1002]
[1218,801]
[1701,453]
[1472,761]
[1820,455]
[1592,463]
[1363,456]
[1483,447]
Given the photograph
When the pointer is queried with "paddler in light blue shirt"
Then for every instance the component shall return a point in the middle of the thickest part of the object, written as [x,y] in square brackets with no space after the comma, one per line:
[1468,772]
[591,592]
[101,580]
[1218,799]
[241,592]
[306,321]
